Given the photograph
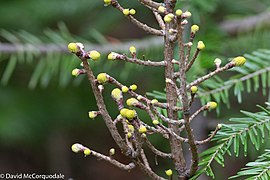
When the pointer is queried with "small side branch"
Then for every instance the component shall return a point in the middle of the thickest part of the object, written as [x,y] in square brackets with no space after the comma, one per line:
[155,151]
[201,79]
[147,171]
[159,20]
[139,24]
[210,137]
[150,3]
[194,115]
[140,62]
[194,57]
[203,108]
[113,161]
[165,119]
[184,100]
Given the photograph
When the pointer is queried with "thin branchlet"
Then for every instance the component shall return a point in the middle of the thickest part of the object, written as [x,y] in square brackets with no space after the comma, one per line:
[170,126]
[139,24]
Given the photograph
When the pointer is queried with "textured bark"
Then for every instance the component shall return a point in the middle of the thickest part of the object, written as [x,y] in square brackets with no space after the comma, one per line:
[176,146]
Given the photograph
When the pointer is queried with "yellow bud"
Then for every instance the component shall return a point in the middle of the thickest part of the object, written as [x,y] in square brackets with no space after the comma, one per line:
[117,94]
[72,47]
[129,135]
[171,15]
[132,49]
[131,114]
[140,97]
[112,151]
[168,172]
[126,12]
[102,78]
[161,9]
[193,89]
[130,128]
[200,45]
[155,122]
[107,2]
[87,152]
[124,89]
[219,126]
[154,101]
[75,72]
[187,14]
[211,105]
[143,135]
[133,87]
[217,61]
[95,55]
[92,114]
[132,11]
[112,56]
[194,28]
[132,101]
[76,147]
[239,61]
[123,112]
[142,129]
[167,18]
[178,12]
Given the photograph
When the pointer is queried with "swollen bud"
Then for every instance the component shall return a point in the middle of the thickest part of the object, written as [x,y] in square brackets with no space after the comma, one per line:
[217,62]
[112,151]
[161,9]
[211,105]
[87,152]
[154,101]
[123,112]
[200,45]
[73,48]
[130,114]
[142,129]
[132,50]
[168,172]
[193,89]
[126,12]
[178,12]
[102,78]
[124,89]
[132,11]
[133,87]
[77,147]
[117,94]
[94,55]
[167,18]
[186,14]
[194,28]
[75,72]
[155,122]
[239,61]
[92,114]
[112,56]
[107,2]
[132,102]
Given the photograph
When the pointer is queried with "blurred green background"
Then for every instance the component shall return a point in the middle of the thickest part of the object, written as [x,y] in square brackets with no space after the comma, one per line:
[43,110]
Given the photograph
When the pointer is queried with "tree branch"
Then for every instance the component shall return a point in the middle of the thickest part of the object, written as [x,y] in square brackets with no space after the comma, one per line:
[155,151]
[101,105]
[203,78]
[145,27]
[185,102]
[140,62]
[210,137]
[113,161]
